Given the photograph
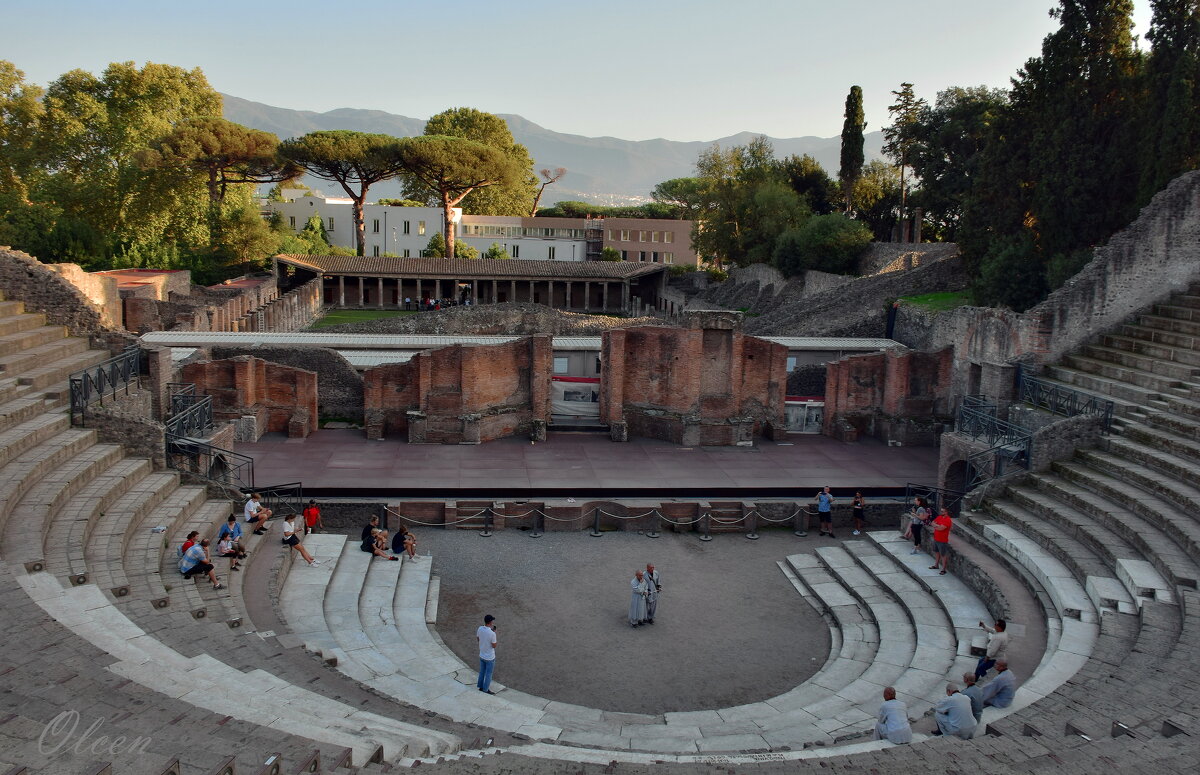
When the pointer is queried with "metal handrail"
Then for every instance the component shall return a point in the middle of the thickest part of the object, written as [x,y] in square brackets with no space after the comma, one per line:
[193,421]
[90,385]
[215,464]
[1064,400]
[936,497]
[977,423]
[283,499]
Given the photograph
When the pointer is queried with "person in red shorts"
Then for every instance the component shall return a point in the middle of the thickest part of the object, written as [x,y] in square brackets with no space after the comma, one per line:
[312,518]
[942,524]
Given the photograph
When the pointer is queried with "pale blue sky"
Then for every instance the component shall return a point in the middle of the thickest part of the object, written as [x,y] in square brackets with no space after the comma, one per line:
[680,69]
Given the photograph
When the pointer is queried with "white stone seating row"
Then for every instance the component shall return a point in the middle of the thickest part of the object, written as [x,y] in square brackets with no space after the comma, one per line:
[23,436]
[100,553]
[25,332]
[256,697]
[1141,580]
[1069,644]
[1100,581]
[21,474]
[200,597]
[24,537]
[143,549]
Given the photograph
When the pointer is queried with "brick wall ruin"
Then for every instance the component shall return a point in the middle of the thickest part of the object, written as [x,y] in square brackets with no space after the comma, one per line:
[51,291]
[898,395]
[258,396]
[707,384]
[462,394]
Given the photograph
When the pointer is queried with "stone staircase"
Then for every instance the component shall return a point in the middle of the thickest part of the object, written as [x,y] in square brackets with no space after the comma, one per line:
[99,622]
[1112,536]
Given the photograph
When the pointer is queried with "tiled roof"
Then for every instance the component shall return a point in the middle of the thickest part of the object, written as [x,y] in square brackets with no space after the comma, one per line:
[466,268]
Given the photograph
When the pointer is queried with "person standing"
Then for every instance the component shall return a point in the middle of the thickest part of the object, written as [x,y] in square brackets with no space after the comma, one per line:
[637,600]
[312,518]
[825,511]
[917,523]
[892,724]
[941,541]
[486,635]
[859,504]
[653,586]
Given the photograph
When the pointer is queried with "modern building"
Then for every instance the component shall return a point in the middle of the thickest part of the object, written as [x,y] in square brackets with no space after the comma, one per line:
[405,232]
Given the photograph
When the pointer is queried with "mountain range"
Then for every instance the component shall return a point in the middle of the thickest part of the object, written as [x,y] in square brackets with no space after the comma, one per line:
[603,170]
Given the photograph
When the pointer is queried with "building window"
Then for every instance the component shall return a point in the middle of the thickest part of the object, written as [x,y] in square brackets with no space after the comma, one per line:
[654,257]
[624,235]
[374,225]
[641,255]
[668,237]
[654,236]
[375,250]
[407,253]
[515,251]
[597,365]
[406,227]
[292,221]
[612,235]
[791,363]
[331,224]
[562,365]
[549,253]
[643,236]
[668,258]
[420,229]
[624,255]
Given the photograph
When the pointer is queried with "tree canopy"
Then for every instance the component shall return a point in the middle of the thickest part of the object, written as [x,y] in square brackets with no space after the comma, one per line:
[353,160]
[852,156]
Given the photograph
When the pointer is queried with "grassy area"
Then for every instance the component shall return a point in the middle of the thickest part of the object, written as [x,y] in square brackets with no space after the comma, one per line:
[338,316]
[938,302]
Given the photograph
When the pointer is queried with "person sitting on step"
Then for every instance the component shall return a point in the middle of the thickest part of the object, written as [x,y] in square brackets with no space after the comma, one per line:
[225,549]
[371,543]
[999,692]
[404,542]
[291,539]
[195,564]
[256,514]
[233,531]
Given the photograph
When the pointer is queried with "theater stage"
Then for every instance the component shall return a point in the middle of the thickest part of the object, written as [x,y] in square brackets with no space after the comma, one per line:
[343,463]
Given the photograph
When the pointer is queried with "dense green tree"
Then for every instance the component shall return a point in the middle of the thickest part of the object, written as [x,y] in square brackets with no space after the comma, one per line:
[947,141]
[20,111]
[311,240]
[875,200]
[826,243]
[436,247]
[223,152]
[353,160]
[808,178]
[90,137]
[686,196]
[454,167]
[1170,119]
[610,254]
[852,157]
[731,178]
[509,198]
[496,251]
[899,140]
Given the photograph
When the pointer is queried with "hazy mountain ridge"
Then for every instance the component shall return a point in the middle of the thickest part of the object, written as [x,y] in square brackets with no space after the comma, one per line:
[601,168]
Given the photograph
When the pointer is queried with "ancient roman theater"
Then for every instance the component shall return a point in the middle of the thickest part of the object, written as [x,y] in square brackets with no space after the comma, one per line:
[543,445]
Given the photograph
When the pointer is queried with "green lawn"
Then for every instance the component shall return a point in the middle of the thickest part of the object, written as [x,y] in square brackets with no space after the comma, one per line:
[938,302]
[338,316]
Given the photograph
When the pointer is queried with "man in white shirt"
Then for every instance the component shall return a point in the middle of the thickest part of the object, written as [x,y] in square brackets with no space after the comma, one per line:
[997,648]
[892,724]
[486,634]
[256,514]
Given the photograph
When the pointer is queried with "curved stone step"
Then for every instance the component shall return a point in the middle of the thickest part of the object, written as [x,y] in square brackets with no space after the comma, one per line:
[1101,583]
[100,552]
[28,337]
[21,362]
[143,546]
[1169,465]
[23,436]
[1079,486]
[21,474]
[1160,438]
[1117,372]
[59,371]
[198,596]
[1146,363]
[14,323]
[257,697]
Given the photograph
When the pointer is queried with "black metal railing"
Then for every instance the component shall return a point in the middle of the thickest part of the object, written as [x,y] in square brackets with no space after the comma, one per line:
[93,384]
[194,417]
[979,402]
[981,424]
[1063,400]
[936,497]
[201,459]
[282,499]
[1009,445]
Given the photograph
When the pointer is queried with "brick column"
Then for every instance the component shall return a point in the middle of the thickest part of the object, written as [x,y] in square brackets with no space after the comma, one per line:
[587,296]
[604,297]
[379,300]
[495,296]
[512,294]
[362,292]
[341,290]
[625,296]
[531,291]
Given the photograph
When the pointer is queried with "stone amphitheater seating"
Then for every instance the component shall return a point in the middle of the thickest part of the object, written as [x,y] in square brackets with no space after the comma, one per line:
[99,621]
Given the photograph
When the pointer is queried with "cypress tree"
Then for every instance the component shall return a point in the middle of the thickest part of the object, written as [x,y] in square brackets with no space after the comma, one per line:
[852,144]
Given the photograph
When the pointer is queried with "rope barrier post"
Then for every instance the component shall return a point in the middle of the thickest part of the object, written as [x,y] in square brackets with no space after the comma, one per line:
[538,524]
[706,526]
[752,524]
[653,531]
[801,522]
[487,524]
[596,524]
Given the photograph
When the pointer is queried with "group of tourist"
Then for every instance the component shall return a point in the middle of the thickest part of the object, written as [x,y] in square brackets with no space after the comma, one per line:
[432,305]
[825,500]
[960,712]
[196,561]
[377,543]
[920,519]
[644,601]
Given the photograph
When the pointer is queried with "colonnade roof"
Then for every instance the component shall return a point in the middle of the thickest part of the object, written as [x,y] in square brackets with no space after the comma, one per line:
[472,268]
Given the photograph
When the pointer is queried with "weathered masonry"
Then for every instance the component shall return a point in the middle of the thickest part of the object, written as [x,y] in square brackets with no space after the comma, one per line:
[393,283]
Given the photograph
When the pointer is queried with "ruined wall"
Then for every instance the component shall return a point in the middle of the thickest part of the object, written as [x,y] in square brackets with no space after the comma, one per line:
[261,397]
[898,395]
[339,385]
[704,384]
[884,257]
[462,394]
[51,292]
